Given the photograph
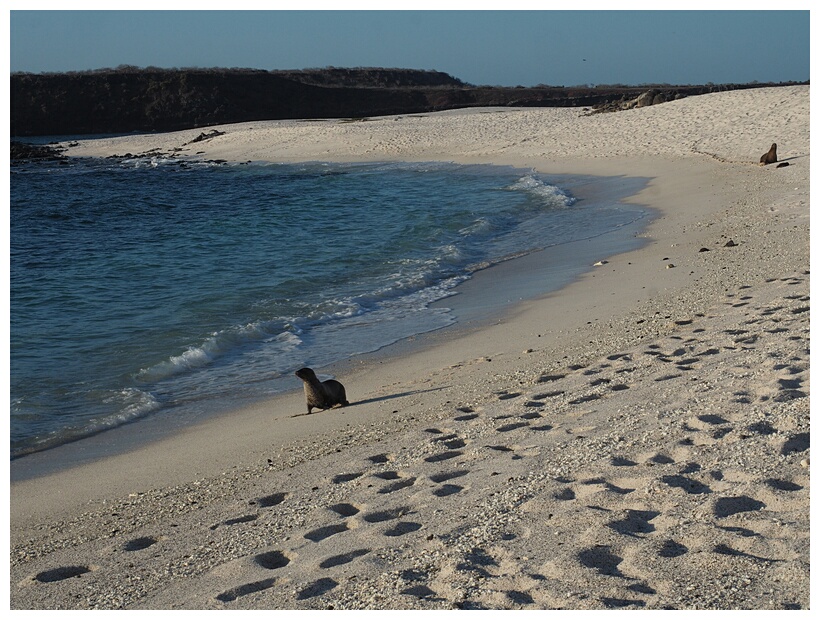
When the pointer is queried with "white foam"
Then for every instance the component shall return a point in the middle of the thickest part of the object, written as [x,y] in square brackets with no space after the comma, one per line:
[553,195]
[217,345]
[133,402]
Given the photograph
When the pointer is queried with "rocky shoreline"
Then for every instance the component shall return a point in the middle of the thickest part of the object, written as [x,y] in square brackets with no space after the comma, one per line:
[21,152]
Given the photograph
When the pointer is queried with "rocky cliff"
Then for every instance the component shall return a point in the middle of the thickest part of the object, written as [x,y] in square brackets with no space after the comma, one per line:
[129,99]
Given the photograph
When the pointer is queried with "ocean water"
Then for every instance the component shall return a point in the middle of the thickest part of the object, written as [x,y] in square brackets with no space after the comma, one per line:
[143,287]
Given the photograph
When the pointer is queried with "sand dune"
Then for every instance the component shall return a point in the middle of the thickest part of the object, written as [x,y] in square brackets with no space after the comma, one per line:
[638,440]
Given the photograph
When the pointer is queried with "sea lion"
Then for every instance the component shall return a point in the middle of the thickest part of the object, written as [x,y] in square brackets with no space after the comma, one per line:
[770,157]
[321,394]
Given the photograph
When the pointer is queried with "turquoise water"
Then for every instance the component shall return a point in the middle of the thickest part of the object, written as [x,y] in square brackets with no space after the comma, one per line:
[144,286]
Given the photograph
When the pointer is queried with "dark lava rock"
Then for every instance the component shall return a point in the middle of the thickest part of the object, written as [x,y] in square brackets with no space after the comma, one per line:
[20,151]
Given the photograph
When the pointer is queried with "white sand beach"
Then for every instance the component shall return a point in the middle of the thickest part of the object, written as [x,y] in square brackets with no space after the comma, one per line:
[636,440]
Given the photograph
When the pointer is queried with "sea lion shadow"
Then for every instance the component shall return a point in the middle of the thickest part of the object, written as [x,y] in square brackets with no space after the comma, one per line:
[399,395]
[379,399]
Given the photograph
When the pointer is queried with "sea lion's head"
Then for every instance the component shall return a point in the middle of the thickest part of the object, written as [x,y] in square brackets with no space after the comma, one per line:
[305,374]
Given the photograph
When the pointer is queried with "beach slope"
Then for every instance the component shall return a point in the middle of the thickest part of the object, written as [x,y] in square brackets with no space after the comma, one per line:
[636,440]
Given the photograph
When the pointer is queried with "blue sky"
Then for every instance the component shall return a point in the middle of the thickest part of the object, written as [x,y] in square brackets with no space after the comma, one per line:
[507,48]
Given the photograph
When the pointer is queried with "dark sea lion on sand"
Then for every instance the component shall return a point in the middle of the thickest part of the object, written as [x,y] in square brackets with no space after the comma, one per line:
[321,394]
[770,157]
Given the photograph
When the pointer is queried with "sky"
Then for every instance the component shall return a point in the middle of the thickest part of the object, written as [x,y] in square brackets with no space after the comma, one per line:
[498,48]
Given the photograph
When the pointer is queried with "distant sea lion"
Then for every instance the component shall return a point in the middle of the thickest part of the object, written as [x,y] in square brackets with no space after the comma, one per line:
[770,157]
[321,394]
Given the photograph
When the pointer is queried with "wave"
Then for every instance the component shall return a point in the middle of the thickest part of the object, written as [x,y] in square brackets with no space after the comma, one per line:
[131,403]
[219,344]
[552,195]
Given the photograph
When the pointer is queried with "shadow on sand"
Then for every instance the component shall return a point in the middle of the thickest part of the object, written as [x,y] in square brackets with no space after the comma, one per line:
[379,399]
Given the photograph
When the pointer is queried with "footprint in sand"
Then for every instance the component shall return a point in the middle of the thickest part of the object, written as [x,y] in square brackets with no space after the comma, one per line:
[584,399]
[444,456]
[386,515]
[450,475]
[327,531]
[743,397]
[272,560]
[565,494]
[466,417]
[399,529]
[642,588]
[712,419]
[344,558]
[243,590]
[613,488]
[61,573]
[403,527]
[728,506]
[761,428]
[138,544]
[476,560]
[545,395]
[519,598]
[271,500]
[690,485]
[604,485]
[317,588]
[795,443]
[788,390]
[506,428]
[740,531]
[338,479]
[782,485]
[237,520]
[398,486]
[380,458]
[447,489]
[601,559]
[667,377]
[344,510]
[727,550]
[543,427]
[508,395]
[420,591]
[672,549]
[635,522]
[387,475]
[621,603]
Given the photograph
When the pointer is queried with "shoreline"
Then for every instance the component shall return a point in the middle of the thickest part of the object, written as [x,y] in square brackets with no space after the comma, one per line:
[512,280]
[634,300]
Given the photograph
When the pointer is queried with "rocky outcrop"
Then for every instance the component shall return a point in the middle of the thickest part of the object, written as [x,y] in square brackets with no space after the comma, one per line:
[21,151]
[142,100]
[650,97]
